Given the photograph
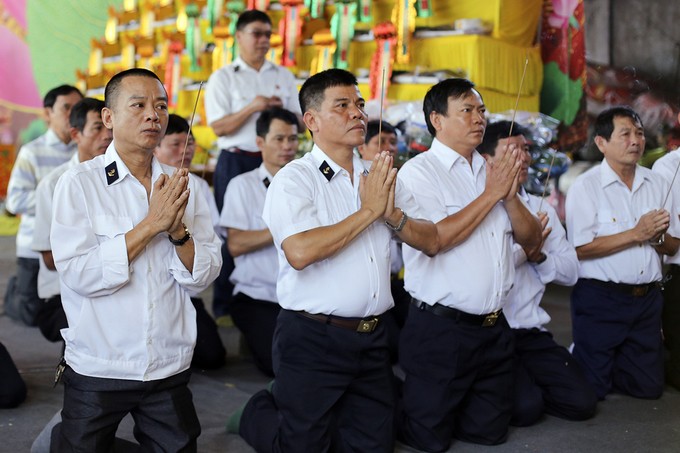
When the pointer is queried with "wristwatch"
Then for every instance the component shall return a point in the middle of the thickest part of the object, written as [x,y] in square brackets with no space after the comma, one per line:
[182,241]
[542,257]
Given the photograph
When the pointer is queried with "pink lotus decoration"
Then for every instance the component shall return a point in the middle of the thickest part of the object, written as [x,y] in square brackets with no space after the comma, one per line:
[563,12]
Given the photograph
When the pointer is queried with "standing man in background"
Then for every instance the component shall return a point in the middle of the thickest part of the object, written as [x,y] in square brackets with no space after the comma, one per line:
[234,97]
[34,161]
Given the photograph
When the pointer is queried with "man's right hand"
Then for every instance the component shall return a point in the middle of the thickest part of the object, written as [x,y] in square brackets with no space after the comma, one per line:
[374,188]
[502,172]
[261,103]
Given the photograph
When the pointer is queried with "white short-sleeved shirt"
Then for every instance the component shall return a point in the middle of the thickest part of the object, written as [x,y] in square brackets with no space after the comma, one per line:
[667,166]
[126,320]
[36,159]
[234,86]
[256,272]
[48,280]
[313,192]
[522,308]
[476,275]
[600,204]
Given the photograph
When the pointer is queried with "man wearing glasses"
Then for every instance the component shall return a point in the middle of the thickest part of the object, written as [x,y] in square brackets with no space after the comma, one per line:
[235,96]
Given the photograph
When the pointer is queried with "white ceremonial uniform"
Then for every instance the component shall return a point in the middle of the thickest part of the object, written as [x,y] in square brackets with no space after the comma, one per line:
[312,192]
[234,86]
[256,272]
[666,166]
[35,160]
[48,280]
[600,204]
[476,275]
[522,308]
[127,320]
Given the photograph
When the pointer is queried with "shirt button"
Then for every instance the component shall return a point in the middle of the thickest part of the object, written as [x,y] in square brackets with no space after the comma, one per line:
[641,272]
[149,341]
[371,258]
[374,295]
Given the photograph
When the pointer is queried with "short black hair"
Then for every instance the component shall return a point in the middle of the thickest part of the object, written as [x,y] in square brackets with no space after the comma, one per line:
[78,116]
[111,90]
[437,97]
[62,90]
[312,92]
[604,124]
[373,127]
[267,116]
[176,125]
[498,131]
[250,16]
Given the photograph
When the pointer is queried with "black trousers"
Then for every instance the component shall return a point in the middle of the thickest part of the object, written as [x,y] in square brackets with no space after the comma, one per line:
[459,381]
[671,324]
[333,391]
[548,380]
[617,339]
[228,166]
[209,352]
[21,297]
[163,411]
[12,387]
[256,319]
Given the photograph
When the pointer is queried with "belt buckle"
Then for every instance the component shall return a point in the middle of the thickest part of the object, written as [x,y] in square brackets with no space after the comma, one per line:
[639,291]
[491,319]
[367,325]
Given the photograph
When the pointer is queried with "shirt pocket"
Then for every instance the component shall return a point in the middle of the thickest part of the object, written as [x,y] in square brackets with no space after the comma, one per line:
[609,223]
[108,227]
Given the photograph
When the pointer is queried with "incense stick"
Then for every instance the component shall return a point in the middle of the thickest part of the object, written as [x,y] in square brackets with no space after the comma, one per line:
[519,93]
[191,124]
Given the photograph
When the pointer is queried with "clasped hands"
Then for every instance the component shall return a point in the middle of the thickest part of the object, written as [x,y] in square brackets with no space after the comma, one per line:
[168,202]
[502,172]
[377,189]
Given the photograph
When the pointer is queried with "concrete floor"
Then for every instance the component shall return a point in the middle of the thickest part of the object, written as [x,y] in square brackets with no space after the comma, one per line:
[622,424]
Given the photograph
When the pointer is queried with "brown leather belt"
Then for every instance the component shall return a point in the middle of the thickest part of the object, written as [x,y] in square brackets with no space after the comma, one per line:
[355,324]
[626,288]
[487,320]
[235,150]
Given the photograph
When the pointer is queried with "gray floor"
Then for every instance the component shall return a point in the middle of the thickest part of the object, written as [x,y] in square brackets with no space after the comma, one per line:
[622,424]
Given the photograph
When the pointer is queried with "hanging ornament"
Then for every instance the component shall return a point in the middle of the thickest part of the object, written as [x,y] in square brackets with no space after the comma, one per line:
[95,65]
[316,8]
[262,5]
[173,72]
[290,28]
[424,8]
[193,35]
[404,18]
[386,40]
[222,55]
[234,9]
[364,11]
[275,49]
[342,29]
[324,43]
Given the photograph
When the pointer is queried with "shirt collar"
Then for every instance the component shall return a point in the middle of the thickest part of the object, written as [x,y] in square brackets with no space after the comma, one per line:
[112,156]
[52,140]
[608,176]
[322,160]
[263,173]
[448,157]
[242,64]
